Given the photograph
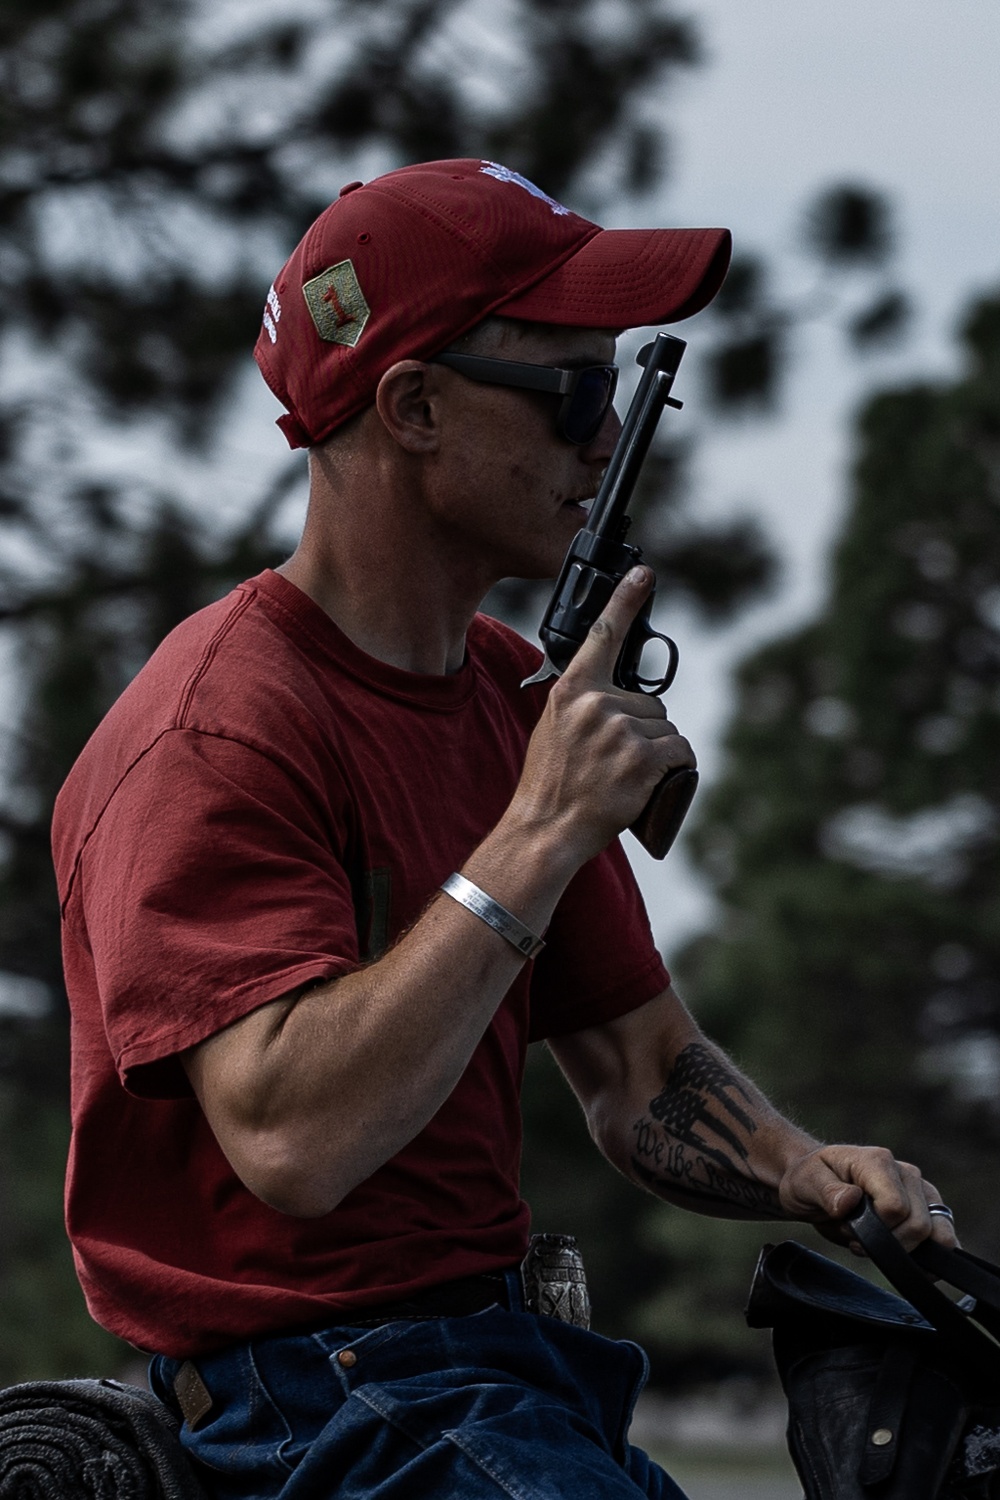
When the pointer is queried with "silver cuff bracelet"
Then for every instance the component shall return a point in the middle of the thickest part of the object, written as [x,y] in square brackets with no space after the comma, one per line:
[493,914]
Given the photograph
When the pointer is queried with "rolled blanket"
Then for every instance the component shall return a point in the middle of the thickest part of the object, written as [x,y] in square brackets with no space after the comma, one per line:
[90,1440]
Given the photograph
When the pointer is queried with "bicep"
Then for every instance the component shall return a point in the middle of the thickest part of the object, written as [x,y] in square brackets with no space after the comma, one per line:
[623,1060]
[227,1070]
[233,1077]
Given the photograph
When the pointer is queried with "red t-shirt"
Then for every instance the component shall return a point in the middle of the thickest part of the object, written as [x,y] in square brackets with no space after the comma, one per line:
[260,792]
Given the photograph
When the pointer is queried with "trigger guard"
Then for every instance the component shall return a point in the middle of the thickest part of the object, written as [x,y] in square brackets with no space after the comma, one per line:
[654,686]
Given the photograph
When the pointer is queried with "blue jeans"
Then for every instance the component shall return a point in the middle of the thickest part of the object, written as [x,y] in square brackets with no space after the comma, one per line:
[494,1406]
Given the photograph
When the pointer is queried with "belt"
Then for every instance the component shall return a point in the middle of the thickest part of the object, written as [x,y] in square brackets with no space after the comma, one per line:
[553,1283]
[452,1299]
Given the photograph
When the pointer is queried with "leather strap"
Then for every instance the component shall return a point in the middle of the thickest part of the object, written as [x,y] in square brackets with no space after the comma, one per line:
[960,1269]
[969,1274]
[961,1335]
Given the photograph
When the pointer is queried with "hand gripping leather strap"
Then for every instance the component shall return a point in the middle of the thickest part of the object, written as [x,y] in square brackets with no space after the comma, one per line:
[962,1337]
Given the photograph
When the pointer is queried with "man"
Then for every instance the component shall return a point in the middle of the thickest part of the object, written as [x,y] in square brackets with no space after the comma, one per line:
[296,1059]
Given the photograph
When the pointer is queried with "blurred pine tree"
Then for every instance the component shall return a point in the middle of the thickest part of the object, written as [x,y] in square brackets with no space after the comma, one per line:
[852,836]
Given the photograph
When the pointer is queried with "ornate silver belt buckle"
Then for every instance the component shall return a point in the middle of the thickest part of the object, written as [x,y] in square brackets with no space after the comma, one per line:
[554,1281]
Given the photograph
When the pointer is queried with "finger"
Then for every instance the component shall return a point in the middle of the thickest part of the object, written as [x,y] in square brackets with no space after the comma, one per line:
[643,706]
[596,658]
[917,1224]
[673,751]
[892,1191]
[942,1228]
[818,1188]
[899,1196]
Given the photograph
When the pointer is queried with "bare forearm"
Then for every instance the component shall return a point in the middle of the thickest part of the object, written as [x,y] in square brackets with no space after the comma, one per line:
[674,1114]
[351,1071]
[708,1140]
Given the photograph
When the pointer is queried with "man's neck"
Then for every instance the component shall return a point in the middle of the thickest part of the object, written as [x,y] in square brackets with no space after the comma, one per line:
[414,622]
[382,557]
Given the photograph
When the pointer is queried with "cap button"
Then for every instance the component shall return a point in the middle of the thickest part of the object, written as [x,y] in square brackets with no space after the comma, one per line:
[349,187]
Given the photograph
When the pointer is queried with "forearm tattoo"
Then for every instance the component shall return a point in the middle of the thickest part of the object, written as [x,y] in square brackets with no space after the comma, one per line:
[694,1144]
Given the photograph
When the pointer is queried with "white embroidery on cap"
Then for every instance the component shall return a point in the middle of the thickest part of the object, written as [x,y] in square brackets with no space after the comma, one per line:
[274,304]
[504,174]
[272,332]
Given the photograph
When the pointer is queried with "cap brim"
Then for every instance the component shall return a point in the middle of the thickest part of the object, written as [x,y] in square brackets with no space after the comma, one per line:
[627,278]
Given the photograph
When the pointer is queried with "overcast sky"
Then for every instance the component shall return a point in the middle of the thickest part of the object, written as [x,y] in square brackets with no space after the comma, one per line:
[901,95]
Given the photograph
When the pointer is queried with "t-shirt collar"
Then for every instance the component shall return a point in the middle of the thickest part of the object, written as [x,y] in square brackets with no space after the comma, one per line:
[427,690]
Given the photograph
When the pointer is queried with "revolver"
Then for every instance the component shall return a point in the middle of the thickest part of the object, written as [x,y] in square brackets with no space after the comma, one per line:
[597,561]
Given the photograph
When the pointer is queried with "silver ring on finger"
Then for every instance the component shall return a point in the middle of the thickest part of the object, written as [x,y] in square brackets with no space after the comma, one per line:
[941,1210]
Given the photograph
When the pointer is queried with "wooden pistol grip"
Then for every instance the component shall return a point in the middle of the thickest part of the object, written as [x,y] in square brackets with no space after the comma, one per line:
[659,823]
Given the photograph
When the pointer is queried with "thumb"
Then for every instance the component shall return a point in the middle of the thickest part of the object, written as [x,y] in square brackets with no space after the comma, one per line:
[843,1200]
[595,660]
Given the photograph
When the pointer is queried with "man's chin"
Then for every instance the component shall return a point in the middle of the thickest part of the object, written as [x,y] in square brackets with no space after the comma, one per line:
[535,570]
[543,561]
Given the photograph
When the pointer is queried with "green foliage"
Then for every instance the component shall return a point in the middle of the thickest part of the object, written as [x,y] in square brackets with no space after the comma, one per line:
[849,234]
[47,1333]
[883,321]
[743,371]
[850,225]
[852,837]
[720,570]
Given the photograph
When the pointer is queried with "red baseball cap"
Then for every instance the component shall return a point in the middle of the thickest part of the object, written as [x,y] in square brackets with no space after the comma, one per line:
[400,267]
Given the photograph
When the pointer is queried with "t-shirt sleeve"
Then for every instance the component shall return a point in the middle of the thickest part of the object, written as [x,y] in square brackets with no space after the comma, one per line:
[210,886]
[599,959]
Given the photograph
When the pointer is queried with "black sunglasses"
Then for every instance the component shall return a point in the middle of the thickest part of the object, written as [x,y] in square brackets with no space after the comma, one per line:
[587,393]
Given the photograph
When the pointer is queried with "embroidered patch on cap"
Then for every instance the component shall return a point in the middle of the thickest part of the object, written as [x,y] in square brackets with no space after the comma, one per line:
[504,174]
[337,304]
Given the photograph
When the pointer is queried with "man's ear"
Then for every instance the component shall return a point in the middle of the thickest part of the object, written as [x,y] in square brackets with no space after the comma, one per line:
[408,401]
